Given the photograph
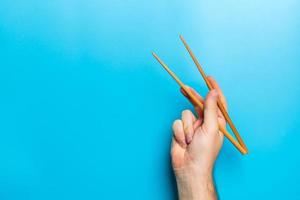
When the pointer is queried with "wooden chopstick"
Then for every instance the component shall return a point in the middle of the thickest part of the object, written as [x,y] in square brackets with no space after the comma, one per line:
[221,107]
[199,103]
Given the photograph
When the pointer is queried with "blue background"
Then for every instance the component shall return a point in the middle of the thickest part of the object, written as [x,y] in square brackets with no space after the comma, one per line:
[86,112]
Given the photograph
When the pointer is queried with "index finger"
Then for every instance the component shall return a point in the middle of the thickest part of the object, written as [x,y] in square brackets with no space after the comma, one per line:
[198,96]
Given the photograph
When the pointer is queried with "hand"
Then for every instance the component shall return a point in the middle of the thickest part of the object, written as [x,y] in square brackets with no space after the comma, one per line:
[196,145]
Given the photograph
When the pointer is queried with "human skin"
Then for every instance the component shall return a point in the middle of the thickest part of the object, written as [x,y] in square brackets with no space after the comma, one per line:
[196,144]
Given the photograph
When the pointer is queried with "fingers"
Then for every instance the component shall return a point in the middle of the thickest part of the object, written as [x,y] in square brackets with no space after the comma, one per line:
[179,133]
[184,129]
[188,120]
[194,93]
[211,112]
[197,108]
[216,86]
[198,123]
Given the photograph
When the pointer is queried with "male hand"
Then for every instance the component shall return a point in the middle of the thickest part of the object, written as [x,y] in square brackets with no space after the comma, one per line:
[196,145]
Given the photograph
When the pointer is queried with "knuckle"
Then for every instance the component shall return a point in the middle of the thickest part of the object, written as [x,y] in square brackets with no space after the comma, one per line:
[186,129]
[210,128]
[212,108]
[175,124]
[185,112]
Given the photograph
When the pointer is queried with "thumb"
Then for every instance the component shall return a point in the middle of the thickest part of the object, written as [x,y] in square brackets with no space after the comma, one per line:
[211,112]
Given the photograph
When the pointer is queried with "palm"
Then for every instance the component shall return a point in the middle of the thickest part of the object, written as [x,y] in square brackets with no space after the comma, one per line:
[199,147]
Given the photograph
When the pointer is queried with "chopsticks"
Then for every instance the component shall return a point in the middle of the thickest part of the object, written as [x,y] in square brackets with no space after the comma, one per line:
[221,107]
[239,145]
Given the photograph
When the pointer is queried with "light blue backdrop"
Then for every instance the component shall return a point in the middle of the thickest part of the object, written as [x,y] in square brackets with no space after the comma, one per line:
[86,112]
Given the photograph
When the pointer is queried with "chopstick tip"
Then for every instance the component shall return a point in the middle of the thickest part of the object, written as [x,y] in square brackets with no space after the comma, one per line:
[153,54]
[181,37]
[245,152]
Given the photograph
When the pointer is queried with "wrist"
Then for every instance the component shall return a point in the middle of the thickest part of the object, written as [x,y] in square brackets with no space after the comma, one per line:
[193,183]
[194,170]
